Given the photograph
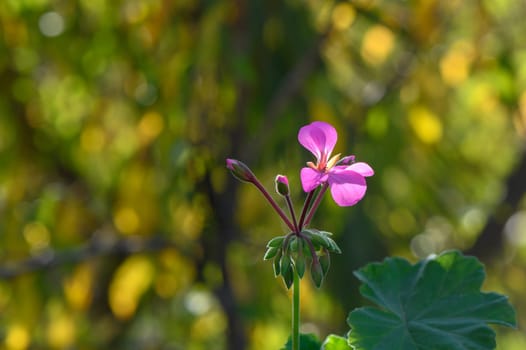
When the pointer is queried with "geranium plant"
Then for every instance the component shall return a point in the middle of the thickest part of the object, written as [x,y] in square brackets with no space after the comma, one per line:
[433,304]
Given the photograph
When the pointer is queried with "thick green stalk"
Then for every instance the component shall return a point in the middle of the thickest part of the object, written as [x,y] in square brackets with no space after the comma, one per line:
[296,312]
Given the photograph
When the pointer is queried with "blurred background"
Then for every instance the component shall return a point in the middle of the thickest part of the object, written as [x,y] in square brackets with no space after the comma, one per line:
[120,227]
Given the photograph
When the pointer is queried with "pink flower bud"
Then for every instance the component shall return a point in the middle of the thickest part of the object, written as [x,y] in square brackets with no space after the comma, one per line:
[240,170]
[282,185]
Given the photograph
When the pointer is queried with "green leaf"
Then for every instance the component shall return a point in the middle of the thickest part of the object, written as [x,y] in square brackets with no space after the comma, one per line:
[307,342]
[271,252]
[276,242]
[284,264]
[286,270]
[299,259]
[316,273]
[288,277]
[434,304]
[293,244]
[325,262]
[276,264]
[333,246]
[334,342]
[320,241]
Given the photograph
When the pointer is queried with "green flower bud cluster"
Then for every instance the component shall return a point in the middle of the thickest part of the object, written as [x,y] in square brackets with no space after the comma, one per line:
[295,251]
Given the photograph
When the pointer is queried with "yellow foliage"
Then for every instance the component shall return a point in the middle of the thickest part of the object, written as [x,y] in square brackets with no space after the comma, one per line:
[36,235]
[211,323]
[177,273]
[129,283]
[188,219]
[77,287]
[483,100]
[149,127]
[61,331]
[269,335]
[455,65]
[92,139]
[378,43]
[426,125]
[17,337]
[126,220]
[343,15]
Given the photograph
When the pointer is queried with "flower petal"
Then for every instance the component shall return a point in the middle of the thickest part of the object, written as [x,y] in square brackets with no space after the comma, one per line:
[347,187]
[319,138]
[362,168]
[310,179]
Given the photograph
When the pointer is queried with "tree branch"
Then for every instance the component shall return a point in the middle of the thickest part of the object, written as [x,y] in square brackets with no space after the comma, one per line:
[96,247]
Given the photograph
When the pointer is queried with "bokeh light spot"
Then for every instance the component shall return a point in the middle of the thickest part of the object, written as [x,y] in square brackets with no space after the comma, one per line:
[455,65]
[36,235]
[126,220]
[423,245]
[150,126]
[426,125]
[17,337]
[378,42]
[61,332]
[343,16]
[515,228]
[51,24]
[129,283]
[198,302]
[77,288]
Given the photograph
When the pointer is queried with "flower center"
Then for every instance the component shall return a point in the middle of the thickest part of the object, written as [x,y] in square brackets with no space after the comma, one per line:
[323,165]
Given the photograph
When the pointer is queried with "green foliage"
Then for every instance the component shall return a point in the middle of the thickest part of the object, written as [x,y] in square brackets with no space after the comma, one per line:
[435,303]
[307,342]
[322,239]
[292,253]
[334,342]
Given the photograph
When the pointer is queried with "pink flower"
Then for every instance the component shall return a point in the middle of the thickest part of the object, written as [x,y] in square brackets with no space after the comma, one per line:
[347,182]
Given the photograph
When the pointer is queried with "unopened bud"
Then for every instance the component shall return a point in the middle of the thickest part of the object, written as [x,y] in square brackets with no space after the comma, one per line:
[282,185]
[240,170]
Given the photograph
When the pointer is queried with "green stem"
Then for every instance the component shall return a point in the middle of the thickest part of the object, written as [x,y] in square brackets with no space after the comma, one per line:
[296,312]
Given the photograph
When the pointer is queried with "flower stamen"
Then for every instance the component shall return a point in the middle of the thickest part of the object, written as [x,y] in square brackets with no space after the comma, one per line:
[312,165]
[332,162]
